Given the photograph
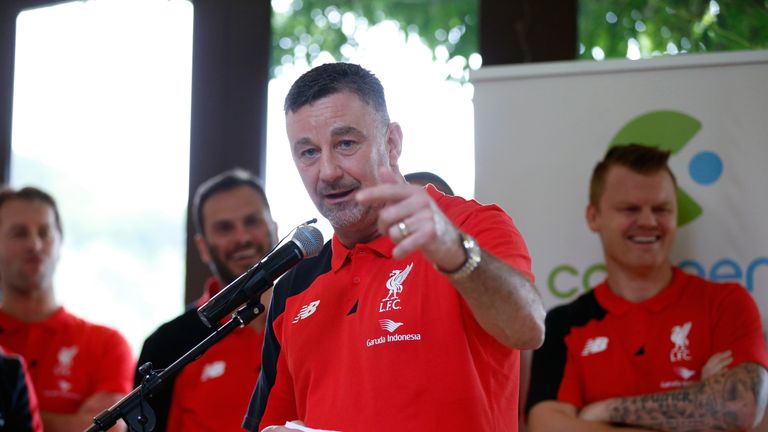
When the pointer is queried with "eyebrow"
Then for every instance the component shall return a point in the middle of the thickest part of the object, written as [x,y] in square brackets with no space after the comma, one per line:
[346,130]
[302,142]
[22,225]
[335,132]
[222,222]
[633,203]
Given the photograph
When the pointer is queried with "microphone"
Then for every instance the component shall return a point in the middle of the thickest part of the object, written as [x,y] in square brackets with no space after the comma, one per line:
[305,243]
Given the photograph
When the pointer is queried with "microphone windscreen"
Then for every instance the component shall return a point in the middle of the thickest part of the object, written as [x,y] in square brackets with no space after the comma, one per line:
[309,239]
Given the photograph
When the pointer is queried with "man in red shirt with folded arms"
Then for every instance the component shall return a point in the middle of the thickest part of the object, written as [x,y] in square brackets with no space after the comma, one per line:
[643,349]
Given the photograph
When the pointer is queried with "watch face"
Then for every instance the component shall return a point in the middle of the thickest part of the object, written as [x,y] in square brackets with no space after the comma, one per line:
[473,257]
[470,244]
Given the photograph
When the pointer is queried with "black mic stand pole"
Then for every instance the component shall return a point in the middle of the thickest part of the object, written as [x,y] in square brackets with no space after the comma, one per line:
[133,408]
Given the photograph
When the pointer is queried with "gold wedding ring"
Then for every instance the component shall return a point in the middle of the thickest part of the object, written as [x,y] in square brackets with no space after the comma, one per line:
[403,229]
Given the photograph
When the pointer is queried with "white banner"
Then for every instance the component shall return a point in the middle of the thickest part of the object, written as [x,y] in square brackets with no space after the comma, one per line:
[540,129]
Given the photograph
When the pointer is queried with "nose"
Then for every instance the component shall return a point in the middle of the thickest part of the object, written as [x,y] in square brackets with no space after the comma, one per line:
[36,242]
[242,234]
[647,218]
[329,167]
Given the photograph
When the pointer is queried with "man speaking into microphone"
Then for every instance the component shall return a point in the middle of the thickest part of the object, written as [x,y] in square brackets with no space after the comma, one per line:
[412,316]
[234,231]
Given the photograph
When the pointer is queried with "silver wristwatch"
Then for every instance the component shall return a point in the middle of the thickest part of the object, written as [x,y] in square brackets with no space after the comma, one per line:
[472,249]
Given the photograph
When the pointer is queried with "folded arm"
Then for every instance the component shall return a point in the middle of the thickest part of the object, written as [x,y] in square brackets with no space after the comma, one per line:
[731,401]
[83,418]
[555,416]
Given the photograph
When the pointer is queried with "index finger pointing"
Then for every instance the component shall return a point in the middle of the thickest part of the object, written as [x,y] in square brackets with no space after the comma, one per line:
[388,189]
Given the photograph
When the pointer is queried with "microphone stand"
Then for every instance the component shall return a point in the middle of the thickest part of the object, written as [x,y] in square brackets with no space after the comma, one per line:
[133,408]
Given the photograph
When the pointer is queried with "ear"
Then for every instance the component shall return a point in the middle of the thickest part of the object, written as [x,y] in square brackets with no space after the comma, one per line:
[592,215]
[202,249]
[394,143]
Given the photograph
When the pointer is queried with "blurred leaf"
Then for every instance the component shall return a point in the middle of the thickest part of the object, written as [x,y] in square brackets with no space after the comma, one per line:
[313,26]
[672,26]
[310,27]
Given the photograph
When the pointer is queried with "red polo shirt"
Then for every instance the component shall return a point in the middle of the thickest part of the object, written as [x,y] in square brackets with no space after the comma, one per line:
[376,343]
[662,343]
[69,359]
[212,392]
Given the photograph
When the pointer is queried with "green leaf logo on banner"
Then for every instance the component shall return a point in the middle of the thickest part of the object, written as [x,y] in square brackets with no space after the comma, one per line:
[665,130]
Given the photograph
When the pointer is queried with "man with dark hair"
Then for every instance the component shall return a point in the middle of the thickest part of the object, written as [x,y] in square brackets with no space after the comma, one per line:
[424,178]
[412,316]
[651,347]
[234,231]
[78,368]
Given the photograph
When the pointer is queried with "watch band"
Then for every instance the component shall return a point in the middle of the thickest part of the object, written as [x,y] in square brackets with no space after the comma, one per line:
[472,249]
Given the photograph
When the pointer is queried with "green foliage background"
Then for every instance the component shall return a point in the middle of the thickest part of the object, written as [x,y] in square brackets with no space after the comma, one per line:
[691,25]
[309,25]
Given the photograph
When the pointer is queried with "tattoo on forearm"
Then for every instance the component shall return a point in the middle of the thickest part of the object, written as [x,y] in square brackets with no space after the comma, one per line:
[724,402]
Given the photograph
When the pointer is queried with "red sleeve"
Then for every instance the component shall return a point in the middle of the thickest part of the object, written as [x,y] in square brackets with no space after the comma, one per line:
[738,327]
[281,405]
[496,233]
[493,229]
[114,369]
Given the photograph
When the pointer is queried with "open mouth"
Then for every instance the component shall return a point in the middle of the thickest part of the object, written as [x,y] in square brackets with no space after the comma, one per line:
[338,196]
[246,255]
[646,239]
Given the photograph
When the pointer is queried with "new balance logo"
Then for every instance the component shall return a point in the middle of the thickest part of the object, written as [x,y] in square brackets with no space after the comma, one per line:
[389,325]
[306,311]
[213,370]
[595,345]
